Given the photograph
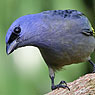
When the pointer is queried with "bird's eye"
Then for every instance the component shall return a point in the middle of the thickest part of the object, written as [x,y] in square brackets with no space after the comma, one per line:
[17,30]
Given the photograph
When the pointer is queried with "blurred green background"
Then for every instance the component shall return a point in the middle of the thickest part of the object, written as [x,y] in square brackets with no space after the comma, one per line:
[24,72]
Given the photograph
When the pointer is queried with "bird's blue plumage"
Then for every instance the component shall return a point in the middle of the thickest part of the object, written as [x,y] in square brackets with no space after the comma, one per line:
[63,36]
[56,33]
[48,15]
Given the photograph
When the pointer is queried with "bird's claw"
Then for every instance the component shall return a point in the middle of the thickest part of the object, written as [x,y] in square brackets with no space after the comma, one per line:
[92,65]
[93,70]
[63,82]
[60,86]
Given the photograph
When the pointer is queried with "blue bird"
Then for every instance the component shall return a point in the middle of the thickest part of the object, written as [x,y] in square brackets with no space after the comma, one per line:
[63,37]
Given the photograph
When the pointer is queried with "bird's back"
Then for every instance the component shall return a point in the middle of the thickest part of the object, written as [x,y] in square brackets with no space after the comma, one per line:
[65,42]
[63,36]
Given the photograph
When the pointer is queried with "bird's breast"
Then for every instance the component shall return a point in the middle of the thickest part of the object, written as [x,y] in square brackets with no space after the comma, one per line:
[75,49]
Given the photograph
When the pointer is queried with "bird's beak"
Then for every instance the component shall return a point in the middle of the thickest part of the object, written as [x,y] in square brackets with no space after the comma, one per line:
[11,47]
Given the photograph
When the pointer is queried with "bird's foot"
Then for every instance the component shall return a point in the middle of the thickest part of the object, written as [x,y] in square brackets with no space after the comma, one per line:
[93,69]
[60,85]
[92,65]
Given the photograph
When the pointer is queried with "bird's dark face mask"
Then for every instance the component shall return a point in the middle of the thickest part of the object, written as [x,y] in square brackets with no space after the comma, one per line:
[12,43]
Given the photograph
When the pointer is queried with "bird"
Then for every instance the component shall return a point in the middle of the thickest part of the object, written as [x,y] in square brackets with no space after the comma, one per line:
[63,37]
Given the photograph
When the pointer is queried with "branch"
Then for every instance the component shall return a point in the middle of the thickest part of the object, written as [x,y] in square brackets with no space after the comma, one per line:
[85,85]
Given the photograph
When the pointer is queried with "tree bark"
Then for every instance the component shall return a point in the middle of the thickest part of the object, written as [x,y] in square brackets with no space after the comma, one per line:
[85,85]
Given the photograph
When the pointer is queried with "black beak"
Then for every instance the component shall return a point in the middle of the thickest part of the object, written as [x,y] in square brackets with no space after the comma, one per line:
[11,47]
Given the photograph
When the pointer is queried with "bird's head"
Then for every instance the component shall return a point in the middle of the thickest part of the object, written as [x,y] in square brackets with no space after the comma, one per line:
[42,29]
[22,32]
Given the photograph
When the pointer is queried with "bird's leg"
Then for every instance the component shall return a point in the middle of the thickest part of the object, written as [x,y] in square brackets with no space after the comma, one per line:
[92,65]
[52,76]
[60,85]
